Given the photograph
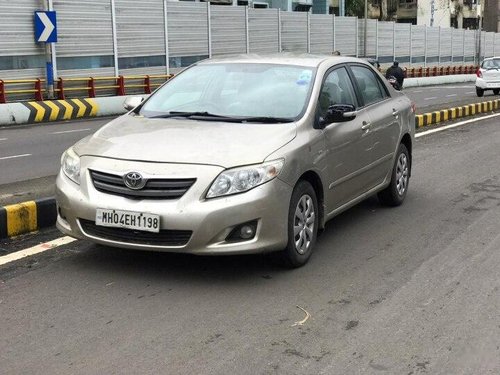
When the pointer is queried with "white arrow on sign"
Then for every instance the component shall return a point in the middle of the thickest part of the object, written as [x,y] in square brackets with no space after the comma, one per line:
[49,27]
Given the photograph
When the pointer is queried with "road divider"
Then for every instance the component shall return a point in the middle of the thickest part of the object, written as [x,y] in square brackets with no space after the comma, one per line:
[443,115]
[27,217]
[56,110]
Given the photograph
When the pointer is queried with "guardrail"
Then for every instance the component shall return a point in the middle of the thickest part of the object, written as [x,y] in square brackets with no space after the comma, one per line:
[16,83]
[92,87]
[439,71]
[84,87]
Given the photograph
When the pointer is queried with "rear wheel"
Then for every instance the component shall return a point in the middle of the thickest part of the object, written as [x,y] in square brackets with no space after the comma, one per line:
[395,193]
[302,226]
[496,91]
[479,91]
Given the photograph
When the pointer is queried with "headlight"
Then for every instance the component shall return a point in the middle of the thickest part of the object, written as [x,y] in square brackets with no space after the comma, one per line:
[70,165]
[239,180]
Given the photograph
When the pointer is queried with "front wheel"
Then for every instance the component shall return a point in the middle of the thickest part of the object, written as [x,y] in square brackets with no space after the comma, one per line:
[395,193]
[479,91]
[302,226]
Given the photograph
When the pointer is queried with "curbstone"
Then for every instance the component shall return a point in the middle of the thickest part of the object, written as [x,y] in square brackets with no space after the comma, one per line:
[436,117]
[56,110]
[438,80]
[27,217]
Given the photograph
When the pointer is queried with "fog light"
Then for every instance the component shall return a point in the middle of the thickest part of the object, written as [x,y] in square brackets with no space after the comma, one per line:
[243,232]
[247,232]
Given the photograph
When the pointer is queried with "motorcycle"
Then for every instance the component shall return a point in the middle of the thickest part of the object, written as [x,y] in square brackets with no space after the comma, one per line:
[394,83]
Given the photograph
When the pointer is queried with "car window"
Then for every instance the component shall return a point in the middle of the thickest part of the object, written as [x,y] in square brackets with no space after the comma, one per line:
[368,85]
[493,63]
[337,89]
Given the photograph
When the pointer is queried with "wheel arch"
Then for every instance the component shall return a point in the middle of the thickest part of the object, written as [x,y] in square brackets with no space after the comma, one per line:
[314,179]
[406,140]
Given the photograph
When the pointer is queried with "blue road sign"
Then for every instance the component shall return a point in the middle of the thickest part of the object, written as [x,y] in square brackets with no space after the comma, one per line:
[45,27]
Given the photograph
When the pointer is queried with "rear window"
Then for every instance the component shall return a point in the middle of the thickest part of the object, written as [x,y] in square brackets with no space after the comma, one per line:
[489,64]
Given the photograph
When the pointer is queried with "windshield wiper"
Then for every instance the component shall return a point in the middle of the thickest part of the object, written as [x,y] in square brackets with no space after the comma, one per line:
[265,119]
[213,116]
[189,114]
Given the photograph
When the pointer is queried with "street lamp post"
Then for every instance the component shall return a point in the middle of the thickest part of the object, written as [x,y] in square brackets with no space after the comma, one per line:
[365,31]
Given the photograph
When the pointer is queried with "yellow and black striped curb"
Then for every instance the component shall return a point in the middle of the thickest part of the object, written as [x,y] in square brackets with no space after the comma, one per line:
[454,113]
[53,110]
[27,217]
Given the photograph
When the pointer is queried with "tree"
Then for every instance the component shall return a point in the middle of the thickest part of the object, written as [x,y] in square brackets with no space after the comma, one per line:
[383,10]
[355,8]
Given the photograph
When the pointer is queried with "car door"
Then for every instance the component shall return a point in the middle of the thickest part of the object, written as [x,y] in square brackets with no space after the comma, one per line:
[382,133]
[347,155]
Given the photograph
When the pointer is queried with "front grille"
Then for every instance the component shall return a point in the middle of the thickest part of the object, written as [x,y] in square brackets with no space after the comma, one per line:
[163,238]
[155,188]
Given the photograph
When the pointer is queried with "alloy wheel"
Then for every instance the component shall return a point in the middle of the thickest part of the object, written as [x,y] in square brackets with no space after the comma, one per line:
[303,228]
[402,174]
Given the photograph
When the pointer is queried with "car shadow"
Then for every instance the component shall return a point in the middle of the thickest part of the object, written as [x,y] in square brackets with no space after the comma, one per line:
[219,268]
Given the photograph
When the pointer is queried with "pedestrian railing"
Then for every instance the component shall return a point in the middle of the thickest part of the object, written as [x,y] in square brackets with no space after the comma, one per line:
[90,87]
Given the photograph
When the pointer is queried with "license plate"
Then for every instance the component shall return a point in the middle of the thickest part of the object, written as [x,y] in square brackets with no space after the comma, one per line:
[127,219]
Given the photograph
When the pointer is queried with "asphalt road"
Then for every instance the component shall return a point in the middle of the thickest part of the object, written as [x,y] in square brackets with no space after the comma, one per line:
[434,98]
[407,290]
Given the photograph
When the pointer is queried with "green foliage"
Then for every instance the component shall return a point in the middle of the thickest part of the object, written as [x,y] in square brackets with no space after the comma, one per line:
[355,8]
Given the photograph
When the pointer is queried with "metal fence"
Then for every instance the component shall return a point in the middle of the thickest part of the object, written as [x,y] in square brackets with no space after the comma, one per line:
[118,37]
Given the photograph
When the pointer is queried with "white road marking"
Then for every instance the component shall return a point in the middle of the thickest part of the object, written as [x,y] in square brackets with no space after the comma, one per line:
[431,98]
[71,131]
[421,134]
[470,92]
[418,91]
[448,96]
[35,250]
[3,139]
[14,156]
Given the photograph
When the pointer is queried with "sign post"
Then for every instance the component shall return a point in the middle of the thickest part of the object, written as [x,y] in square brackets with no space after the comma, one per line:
[46,32]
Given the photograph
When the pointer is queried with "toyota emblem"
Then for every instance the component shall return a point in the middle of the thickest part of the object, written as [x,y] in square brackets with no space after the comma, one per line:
[134,180]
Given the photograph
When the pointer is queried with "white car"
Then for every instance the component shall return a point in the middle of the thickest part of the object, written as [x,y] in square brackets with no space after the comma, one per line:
[488,76]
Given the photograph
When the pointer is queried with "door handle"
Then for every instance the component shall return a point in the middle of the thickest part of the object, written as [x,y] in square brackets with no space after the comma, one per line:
[395,112]
[366,125]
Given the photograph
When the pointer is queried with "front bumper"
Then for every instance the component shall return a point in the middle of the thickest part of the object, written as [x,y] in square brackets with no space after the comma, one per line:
[487,84]
[210,220]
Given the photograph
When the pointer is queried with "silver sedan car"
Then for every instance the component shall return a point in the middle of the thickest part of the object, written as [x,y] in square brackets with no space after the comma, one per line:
[240,155]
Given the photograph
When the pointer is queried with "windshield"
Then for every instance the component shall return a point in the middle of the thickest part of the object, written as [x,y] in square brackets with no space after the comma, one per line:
[234,91]
[491,64]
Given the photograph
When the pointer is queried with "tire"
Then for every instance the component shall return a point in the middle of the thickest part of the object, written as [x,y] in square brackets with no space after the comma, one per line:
[394,194]
[300,245]
[496,91]
[479,92]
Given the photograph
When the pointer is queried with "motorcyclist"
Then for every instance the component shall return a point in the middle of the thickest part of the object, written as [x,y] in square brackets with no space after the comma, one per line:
[396,72]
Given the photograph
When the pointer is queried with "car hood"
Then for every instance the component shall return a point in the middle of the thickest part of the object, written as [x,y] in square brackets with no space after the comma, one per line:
[186,141]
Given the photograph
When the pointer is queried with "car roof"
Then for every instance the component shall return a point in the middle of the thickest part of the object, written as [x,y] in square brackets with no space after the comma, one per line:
[286,58]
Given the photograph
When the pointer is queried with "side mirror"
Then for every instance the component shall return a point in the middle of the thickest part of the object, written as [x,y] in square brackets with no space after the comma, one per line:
[340,113]
[131,102]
